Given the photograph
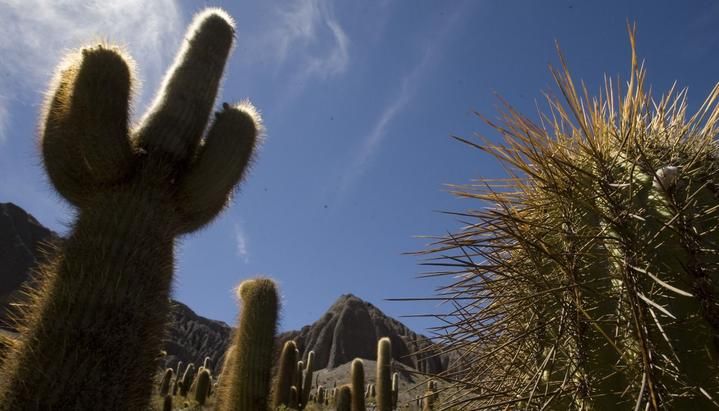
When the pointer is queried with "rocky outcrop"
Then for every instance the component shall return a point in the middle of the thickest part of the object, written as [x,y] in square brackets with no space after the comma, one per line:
[350,329]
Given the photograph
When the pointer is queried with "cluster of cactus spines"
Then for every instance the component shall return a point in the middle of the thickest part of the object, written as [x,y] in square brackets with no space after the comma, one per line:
[593,280]
[166,381]
[283,383]
[246,378]
[99,313]
[383,379]
[343,399]
[357,385]
[202,386]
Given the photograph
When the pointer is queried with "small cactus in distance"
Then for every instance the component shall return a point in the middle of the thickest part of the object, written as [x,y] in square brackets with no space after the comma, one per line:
[307,380]
[357,385]
[202,386]
[395,389]
[245,383]
[384,372]
[344,398]
[166,381]
[283,383]
[187,378]
[97,318]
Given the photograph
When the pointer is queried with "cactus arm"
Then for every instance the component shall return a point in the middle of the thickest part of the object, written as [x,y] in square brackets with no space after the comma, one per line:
[84,136]
[179,114]
[220,164]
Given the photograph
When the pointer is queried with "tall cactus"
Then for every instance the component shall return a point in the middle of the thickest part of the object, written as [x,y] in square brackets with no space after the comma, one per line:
[246,378]
[595,277]
[285,375]
[307,380]
[384,375]
[166,381]
[202,386]
[357,377]
[97,319]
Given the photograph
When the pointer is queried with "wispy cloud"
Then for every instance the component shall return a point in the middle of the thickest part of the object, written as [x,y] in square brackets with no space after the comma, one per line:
[35,33]
[241,243]
[3,120]
[308,39]
[408,87]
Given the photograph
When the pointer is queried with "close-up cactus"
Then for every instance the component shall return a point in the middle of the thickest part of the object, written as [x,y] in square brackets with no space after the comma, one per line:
[591,283]
[247,370]
[95,323]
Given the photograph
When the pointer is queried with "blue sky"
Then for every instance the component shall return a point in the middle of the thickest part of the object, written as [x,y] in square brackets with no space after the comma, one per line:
[360,100]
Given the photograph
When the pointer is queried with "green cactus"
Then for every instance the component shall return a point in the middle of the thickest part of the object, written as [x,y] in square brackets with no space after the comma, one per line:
[307,380]
[285,376]
[384,375]
[166,381]
[395,389]
[344,398]
[246,374]
[595,277]
[357,376]
[202,386]
[97,319]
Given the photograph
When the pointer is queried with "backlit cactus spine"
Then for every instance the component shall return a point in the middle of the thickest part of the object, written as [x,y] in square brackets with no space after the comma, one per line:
[246,378]
[97,319]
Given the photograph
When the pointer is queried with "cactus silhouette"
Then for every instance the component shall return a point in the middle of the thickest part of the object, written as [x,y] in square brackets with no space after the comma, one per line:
[384,375]
[187,379]
[247,368]
[166,381]
[167,403]
[357,385]
[97,319]
[285,376]
[307,380]
[344,398]
[202,386]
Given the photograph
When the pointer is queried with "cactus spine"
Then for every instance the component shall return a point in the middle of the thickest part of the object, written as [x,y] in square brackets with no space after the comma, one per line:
[246,378]
[283,384]
[384,373]
[97,320]
[357,385]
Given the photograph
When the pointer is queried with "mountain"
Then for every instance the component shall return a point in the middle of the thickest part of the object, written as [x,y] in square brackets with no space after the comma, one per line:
[349,329]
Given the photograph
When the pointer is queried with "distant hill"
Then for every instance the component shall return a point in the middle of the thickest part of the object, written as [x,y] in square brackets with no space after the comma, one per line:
[349,329]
